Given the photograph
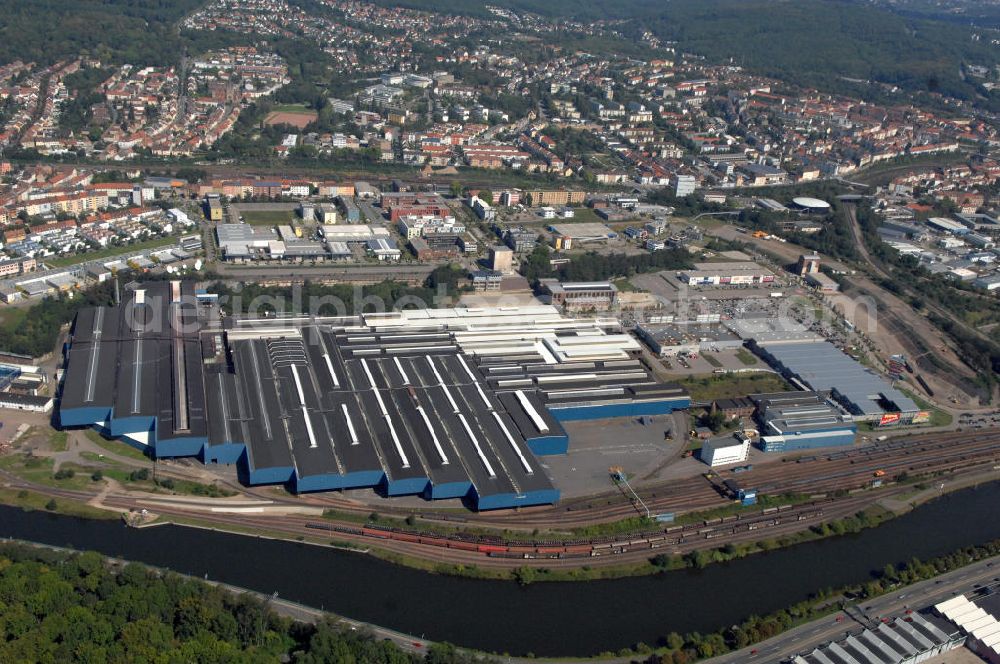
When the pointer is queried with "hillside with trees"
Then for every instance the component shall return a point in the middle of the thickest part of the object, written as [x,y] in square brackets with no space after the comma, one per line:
[820,42]
[842,46]
[838,46]
[141,32]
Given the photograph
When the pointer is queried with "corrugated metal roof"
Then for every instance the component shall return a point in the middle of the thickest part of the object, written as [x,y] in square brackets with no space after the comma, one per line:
[823,367]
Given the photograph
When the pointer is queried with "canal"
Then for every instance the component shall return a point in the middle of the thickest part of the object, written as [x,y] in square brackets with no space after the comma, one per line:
[582,618]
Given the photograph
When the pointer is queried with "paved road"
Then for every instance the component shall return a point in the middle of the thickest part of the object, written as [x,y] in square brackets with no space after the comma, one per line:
[833,627]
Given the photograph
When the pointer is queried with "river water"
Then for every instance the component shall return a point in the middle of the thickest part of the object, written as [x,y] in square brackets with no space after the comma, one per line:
[573,618]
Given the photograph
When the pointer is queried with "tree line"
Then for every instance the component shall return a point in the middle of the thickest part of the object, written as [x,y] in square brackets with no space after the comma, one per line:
[593,266]
[63,607]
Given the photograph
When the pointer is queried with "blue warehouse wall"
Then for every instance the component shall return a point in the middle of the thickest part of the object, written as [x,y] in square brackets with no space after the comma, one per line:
[607,411]
[137,424]
[405,487]
[81,417]
[277,475]
[448,490]
[333,481]
[836,438]
[180,447]
[509,500]
[223,453]
[364,479]
[548,445]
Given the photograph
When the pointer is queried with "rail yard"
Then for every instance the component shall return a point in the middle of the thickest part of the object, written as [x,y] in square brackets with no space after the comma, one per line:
[835,485]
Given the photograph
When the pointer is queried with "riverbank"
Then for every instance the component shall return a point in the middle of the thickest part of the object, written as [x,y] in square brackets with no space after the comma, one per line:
[282,607]
[876,512]
[607,615]
[531,570]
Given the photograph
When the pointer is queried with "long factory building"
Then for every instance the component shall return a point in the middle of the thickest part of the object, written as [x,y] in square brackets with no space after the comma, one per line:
[443,403]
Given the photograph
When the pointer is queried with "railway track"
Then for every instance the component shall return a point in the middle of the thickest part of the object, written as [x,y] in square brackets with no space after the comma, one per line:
[818,475]
[821,473]
[813,474]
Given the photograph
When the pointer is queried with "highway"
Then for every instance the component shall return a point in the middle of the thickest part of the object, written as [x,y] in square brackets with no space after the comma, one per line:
[804,638]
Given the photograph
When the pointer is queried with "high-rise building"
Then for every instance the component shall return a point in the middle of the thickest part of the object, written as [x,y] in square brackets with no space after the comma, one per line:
[502,260]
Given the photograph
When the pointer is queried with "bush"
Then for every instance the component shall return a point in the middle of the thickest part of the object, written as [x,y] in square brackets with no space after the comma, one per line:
[97,476]
[139,475]
[51,505]
[64,474]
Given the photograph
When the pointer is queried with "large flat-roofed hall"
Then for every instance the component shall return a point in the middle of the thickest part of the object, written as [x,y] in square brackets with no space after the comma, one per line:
[442,403]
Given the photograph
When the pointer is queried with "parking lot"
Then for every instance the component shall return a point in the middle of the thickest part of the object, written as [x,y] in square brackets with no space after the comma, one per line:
[979,420]
[597,445]
[727,360]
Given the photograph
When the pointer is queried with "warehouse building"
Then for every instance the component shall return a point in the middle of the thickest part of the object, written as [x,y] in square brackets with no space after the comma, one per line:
[443,403]
[801,420]
[580,295]
[727,274]
[28,402]
[822,282]
[976,621]
[583,232]
[725,450]
[979,223]
[766,329]
[243,242]
[905,640]
[822,367]
[945,225]
[359,233]
[671,339]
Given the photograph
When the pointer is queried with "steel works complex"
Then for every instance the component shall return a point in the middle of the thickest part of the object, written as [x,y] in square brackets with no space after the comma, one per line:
[445,403]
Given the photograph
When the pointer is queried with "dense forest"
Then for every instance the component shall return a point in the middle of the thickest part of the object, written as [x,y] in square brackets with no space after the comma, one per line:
[34,331]
[980,14]
[820,42]
[141,32]
[60,607]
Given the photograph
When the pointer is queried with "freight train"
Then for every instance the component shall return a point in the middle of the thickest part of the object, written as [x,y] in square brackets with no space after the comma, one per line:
[496,547]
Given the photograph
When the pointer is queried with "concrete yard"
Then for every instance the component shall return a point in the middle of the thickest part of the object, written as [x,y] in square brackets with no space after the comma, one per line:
[597,445]
[728,361]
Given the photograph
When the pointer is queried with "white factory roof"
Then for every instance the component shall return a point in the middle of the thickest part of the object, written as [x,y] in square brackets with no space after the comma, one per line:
[507,331]
[353,232]
[972,620]
[811,203]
